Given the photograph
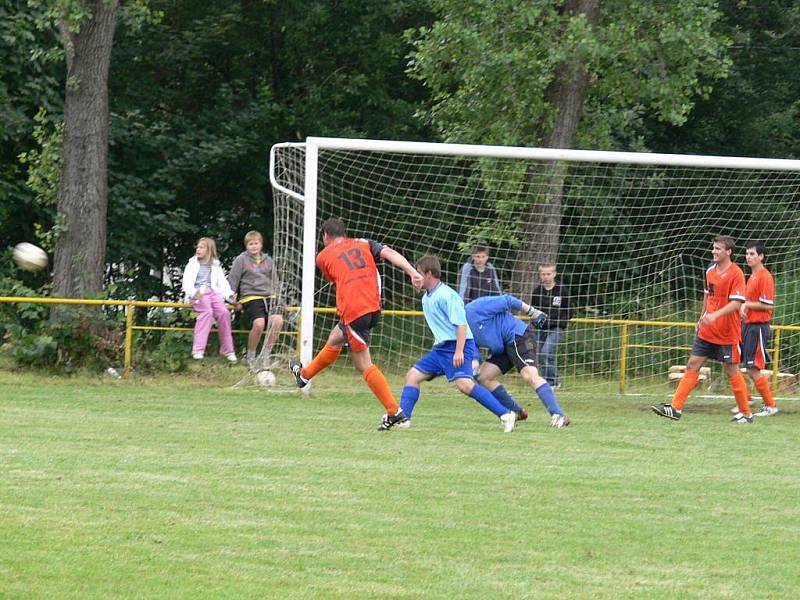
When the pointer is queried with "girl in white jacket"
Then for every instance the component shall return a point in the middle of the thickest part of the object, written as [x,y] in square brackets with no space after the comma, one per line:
[207,288]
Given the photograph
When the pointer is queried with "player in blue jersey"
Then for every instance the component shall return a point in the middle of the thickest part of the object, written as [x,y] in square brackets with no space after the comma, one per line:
[512,343]
[453,347]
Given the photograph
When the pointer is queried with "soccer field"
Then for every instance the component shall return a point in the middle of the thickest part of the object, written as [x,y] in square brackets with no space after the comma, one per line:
[179,488]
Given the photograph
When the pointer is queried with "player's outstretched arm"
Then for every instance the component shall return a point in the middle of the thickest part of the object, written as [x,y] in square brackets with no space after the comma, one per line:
[538,318]
[399,261]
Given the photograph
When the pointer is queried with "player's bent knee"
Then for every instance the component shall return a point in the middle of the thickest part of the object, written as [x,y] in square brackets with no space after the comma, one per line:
[464,385]
[695,362]
[414,377]
[488,381]
[530,375]
[730,369]
[276,321]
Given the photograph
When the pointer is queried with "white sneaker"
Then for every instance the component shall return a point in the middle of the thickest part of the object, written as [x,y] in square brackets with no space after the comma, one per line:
[767,411]
[559,421]
[509,420]
[231,357]
[197,355]
[742,419]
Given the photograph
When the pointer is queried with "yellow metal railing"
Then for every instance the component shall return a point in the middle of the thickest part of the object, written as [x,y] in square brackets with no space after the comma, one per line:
[624,345]
[130,313]
[624,325]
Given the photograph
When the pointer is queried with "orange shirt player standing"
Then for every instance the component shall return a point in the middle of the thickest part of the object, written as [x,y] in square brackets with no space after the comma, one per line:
[350,264]
[757,313]
[719,333]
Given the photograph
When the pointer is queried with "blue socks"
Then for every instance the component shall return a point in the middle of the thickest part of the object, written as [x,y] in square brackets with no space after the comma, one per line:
[548,398]
[505,399]
[408,399]
[486,399]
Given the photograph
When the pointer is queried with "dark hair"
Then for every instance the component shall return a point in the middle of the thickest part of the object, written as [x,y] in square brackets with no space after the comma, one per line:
[334,227]
[430,264]
[756,245]
[476,249]
[726,241]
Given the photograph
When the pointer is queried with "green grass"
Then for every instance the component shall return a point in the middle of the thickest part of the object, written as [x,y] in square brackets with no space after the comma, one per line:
[182,488]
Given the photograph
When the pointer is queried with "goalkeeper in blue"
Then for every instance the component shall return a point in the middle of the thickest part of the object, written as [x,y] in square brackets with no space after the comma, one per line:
[453,348]
[512,343]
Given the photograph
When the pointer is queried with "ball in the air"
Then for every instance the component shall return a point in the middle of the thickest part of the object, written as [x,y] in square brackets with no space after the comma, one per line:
[265,378]
[30,257]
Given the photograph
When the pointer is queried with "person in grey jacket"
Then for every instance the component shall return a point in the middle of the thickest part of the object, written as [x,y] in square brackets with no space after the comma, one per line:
[478,277]
[254,279]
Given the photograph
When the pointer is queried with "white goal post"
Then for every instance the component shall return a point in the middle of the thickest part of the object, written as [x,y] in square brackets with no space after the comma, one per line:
[629,233]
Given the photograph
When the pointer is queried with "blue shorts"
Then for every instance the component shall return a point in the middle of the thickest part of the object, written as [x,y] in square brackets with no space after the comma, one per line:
[439,361]
[727,354]
[755,337]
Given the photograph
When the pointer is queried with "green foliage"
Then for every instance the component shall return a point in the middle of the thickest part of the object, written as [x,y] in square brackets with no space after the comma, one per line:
[20,317]
[484,59]
[79,339]
[164,351]
[31,350]
[755,110]
[201,92]
[30,106]
[198,94]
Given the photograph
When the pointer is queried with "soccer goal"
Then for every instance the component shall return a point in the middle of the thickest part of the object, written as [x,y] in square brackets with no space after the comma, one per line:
[629,235]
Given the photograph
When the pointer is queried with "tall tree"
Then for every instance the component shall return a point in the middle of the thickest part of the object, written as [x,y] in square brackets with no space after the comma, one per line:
[566,93]
[87,32]
[564,73]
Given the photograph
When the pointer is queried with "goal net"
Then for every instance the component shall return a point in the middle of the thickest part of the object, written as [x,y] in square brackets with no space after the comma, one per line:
[629,235]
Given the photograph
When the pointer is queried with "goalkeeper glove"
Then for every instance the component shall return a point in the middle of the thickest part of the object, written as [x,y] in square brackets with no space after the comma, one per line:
[538,318]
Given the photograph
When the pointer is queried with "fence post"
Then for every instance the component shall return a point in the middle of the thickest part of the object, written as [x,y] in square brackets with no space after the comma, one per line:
[130,309]
[776,355]
[623,357]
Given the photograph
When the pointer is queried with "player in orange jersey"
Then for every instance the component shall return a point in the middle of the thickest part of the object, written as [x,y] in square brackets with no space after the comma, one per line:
[756,313]
[719,333]
[350,264]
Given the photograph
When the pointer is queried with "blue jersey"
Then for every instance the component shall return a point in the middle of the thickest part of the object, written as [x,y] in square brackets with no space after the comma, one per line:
[444,311]
[491,323]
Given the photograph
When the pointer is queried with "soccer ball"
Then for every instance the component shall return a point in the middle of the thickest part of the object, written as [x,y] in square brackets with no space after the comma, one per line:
[265,378]
[30,257]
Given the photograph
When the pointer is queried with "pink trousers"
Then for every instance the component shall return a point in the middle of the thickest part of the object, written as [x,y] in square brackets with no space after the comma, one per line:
[209,307]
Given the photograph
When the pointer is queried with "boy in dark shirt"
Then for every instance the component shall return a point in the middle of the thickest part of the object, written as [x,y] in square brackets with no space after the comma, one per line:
[552,299]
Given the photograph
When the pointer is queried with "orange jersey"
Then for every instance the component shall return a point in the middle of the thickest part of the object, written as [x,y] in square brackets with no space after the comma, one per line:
[350,265]
[760,288]
[721,288]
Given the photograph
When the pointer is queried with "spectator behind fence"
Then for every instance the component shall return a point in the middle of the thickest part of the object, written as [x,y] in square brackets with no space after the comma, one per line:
[552,299]
[206,287]
[478,277]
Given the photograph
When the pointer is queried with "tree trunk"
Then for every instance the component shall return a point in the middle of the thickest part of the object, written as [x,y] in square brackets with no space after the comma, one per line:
[82,200]
[541,223]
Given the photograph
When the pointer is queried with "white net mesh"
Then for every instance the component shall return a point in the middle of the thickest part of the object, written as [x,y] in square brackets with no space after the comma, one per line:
[631,243]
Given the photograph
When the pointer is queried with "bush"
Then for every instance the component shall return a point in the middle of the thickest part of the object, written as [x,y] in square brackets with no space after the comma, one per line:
[166,351]
[79,338]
